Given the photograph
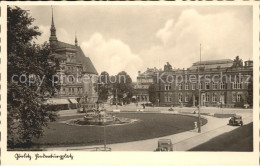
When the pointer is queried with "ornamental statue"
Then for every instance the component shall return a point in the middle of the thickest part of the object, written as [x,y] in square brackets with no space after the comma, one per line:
[167,67]
[237,62]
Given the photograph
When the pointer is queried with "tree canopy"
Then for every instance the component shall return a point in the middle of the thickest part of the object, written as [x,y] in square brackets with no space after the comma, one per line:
[30,71]
[104,86]
[124,87]
[152,93]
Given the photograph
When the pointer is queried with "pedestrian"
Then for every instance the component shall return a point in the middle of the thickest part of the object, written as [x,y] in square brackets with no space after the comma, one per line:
[195,125]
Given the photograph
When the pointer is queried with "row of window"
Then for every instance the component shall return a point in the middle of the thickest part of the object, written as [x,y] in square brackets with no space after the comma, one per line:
[142,98]
[71,91]
[70,79]
[141,86]
[74,68]
[186,86]
[145,80]
[204,97]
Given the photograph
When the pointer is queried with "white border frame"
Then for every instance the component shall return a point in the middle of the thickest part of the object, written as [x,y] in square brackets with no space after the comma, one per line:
[136,158]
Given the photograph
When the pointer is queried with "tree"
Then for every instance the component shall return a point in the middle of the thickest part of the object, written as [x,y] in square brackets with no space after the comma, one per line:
[30,71]
[104,86]
[239,104]
[152,93]
[250,92]
[124,87]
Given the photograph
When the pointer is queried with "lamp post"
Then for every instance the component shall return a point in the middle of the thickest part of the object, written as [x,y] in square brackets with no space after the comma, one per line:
[116,100]
[104,129]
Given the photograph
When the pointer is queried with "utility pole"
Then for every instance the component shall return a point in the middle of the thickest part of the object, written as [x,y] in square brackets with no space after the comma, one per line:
[199,125]
[116,99]
[105,144]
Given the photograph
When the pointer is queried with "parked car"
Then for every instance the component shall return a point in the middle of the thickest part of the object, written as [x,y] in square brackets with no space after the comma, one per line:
[236,120]
[81,110]
[149,104]
[118,103]
[164,145]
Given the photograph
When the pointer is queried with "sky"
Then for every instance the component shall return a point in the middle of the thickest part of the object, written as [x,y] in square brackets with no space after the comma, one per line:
[134,38]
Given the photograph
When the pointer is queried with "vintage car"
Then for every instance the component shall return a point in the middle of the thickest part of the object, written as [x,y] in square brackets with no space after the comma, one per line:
[164,145]
[236,120]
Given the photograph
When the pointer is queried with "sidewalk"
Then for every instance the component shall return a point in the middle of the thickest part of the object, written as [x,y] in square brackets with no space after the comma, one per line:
[188,110]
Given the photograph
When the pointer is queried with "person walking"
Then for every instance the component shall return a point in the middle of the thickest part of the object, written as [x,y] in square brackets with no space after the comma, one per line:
[195,125]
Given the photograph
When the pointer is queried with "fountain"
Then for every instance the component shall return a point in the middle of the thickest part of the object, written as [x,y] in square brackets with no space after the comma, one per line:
[99,118]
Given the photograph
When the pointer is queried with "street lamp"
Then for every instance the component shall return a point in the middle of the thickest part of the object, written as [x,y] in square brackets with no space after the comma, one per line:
[104,129]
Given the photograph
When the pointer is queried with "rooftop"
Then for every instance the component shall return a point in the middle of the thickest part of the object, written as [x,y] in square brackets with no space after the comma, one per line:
[87,64]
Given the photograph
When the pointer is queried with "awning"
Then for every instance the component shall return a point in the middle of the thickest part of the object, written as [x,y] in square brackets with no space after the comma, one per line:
[57,101]
[74,101]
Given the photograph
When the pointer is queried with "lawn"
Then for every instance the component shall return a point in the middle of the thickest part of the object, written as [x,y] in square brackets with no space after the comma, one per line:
[150,125]
[240,139]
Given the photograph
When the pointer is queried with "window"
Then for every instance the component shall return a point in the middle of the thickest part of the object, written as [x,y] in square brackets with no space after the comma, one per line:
[186,98]
[207,85]
[180,86]
[167,87]
[222,99]
[200,85]
[214,97]
[239,85]
[236,85]
[180,97]
[207,97]
[186,86]
[214,85]
[239,97]
[193,86]
[233,97]
[222,85]
[167,98]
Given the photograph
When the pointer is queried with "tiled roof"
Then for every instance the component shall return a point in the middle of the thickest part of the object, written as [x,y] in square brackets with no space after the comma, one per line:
[87,64]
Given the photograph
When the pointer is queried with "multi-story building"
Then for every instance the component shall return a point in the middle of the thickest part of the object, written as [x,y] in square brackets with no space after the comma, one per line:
[144,80]
[75,72]
[222,82]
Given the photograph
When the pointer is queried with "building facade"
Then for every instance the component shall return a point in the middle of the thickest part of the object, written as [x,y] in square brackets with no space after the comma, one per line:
[75,74]
[219,82]
[144,80]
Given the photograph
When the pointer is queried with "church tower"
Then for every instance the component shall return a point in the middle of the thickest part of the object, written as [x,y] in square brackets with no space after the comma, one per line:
[53,39]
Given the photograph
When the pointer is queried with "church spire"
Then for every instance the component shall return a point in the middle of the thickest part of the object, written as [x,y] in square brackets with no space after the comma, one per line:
[76,40]
[53,38]
[52,22]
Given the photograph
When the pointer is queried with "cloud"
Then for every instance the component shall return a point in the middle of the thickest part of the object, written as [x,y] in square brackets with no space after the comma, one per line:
[222,35]
[112,55]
